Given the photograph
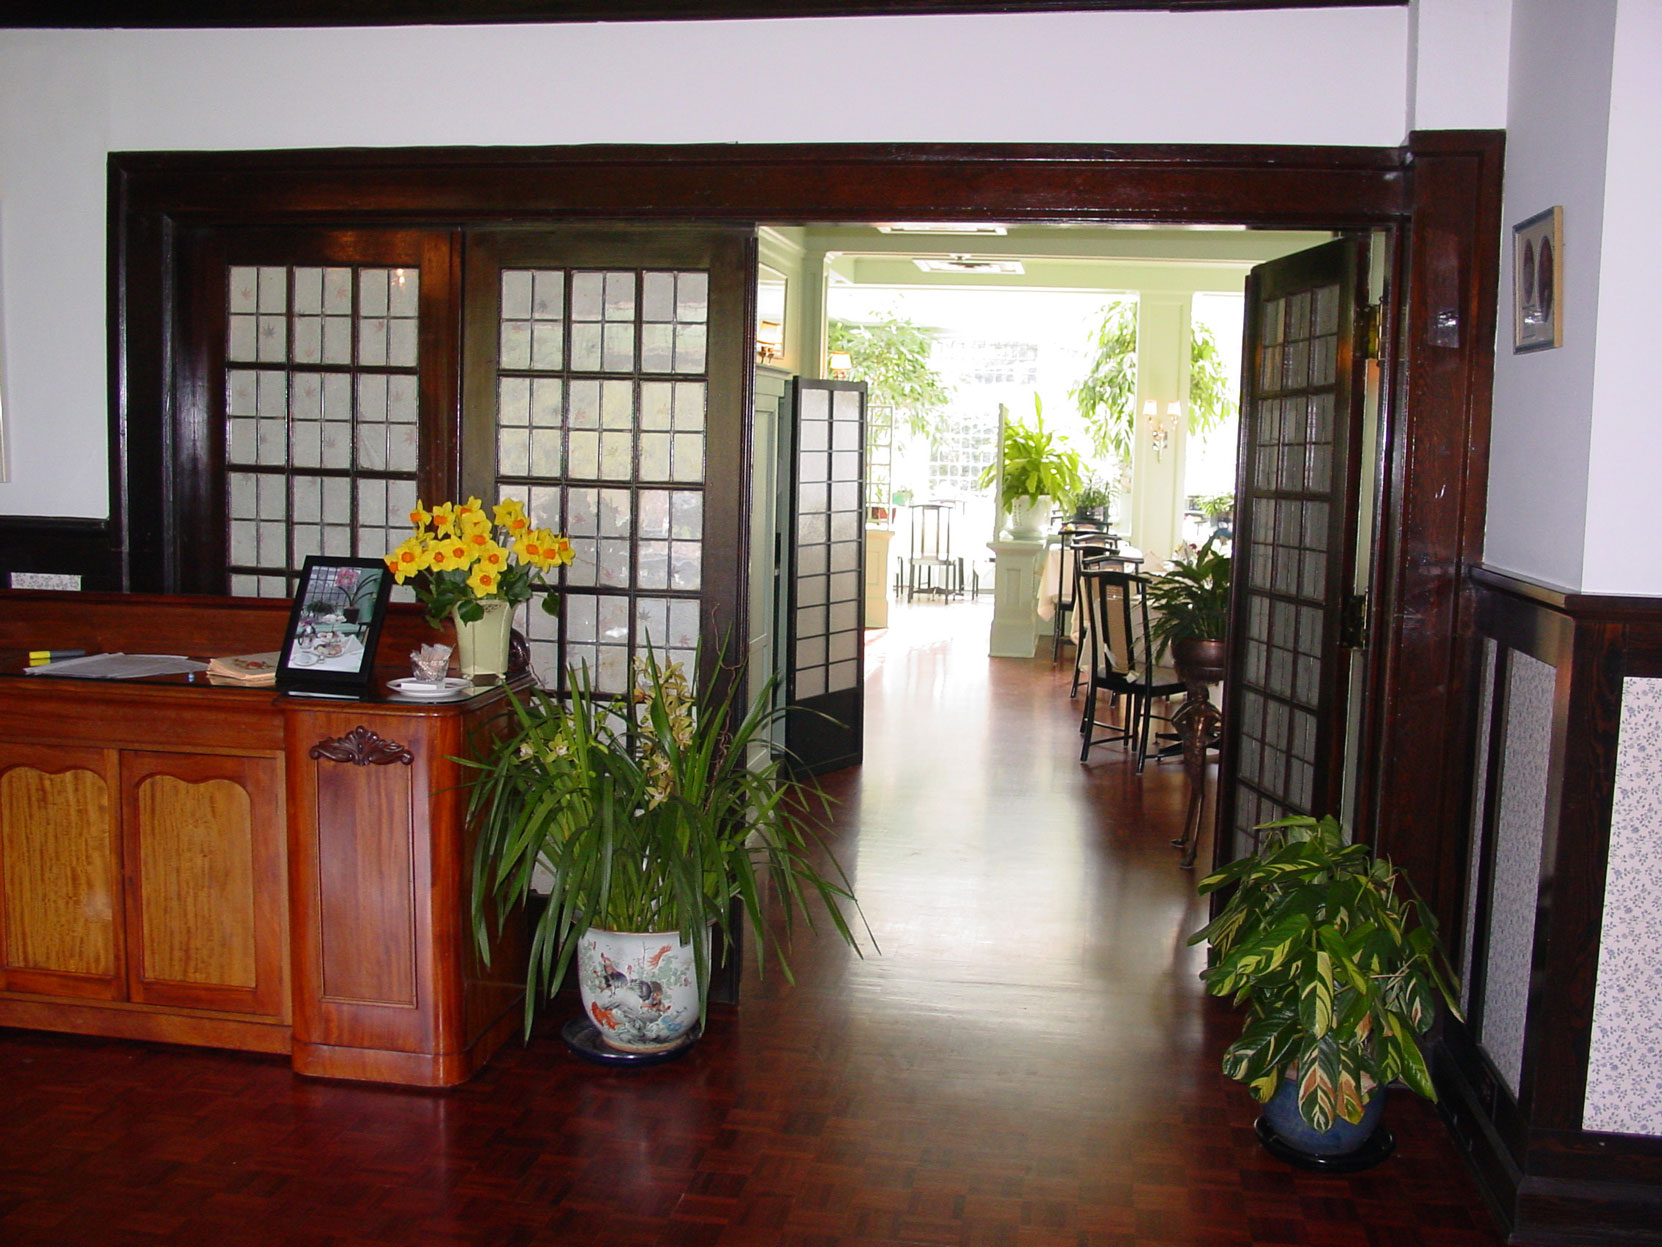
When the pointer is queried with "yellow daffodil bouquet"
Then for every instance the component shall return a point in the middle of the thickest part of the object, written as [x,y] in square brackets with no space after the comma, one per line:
[459,556]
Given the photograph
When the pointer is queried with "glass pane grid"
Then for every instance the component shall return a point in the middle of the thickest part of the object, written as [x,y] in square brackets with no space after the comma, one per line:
[601,410]
[321,413]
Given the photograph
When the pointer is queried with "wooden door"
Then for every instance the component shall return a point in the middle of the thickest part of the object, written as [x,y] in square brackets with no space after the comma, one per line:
[825,546]
[206,890]
[60,873]
[1295,540]
[605,375]
[316,401]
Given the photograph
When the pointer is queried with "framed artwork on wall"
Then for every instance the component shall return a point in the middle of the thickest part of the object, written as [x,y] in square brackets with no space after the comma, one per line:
[333,626]
[1538,281]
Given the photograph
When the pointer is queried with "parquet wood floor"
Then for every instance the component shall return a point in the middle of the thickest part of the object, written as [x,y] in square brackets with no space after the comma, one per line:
[1028,1062]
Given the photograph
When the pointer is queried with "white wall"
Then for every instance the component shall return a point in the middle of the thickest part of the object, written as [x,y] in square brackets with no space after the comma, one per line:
[67,98]
[1543,481]
[1625,453]
[1458,58]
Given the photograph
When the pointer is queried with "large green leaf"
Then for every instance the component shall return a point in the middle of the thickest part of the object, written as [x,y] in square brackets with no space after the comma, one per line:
[1318,1084]
[1315,996]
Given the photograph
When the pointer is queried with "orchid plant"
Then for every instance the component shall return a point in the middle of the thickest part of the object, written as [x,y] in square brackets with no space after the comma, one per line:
[645,812]
[458,556]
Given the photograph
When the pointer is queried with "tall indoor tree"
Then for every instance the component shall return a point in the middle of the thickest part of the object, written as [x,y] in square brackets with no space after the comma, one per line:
[1107,395]
[891,355]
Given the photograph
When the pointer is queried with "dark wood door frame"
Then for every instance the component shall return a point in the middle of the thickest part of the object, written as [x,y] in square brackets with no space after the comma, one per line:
[1438,196]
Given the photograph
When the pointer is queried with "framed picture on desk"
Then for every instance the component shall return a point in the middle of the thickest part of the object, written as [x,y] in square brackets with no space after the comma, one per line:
[334,625]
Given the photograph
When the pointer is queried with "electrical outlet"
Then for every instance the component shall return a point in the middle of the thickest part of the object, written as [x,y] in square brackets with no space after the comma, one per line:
[44,580]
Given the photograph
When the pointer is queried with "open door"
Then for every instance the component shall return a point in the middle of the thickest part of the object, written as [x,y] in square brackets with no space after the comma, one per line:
[824,531]
[1302,406]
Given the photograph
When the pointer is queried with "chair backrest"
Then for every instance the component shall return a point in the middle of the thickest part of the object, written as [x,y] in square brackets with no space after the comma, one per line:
[1076,549]
[1116,614]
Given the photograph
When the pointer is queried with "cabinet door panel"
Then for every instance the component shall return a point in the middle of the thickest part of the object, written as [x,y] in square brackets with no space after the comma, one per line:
[205,881]
[59,873]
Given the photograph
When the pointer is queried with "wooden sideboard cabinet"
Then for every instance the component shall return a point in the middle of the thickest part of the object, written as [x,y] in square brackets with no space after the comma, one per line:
[236,867]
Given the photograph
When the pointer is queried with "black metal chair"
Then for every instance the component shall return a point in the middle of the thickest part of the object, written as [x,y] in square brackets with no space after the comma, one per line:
[1122,660]
[1069,538]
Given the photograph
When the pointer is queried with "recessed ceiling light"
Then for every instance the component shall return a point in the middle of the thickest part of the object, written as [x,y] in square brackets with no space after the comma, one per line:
[964,264]
[941,227]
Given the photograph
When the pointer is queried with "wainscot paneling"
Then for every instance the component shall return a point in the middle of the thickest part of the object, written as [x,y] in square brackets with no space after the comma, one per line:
[1552,1079]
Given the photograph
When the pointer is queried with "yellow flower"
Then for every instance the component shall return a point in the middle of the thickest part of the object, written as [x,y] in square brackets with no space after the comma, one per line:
[470,517]
[444,518]
[491,556]
[420,517]
[446,555]
[460,552]
[559,549]
[484,581]
[510,514]
[539,548]
[409,558]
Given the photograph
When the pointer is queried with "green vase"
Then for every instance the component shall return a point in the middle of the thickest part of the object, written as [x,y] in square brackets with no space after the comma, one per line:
[482,646]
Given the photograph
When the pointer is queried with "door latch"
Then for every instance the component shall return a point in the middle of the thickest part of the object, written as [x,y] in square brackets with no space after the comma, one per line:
[1353,622]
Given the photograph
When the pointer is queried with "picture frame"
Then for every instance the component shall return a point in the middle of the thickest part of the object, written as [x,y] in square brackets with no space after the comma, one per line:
[334,626]
[1538,282]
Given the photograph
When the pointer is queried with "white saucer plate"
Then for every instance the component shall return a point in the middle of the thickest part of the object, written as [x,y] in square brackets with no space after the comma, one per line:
[408,687]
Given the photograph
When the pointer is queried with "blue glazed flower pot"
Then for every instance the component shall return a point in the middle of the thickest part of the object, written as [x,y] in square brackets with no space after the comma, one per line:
[1282,1116]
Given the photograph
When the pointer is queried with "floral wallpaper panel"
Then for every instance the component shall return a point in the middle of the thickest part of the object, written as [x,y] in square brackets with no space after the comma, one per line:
[1624,1068]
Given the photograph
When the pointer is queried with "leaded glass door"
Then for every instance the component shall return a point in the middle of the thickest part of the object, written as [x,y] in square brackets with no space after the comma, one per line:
[323,358]
[1295,541]
[604,374]
[825,543]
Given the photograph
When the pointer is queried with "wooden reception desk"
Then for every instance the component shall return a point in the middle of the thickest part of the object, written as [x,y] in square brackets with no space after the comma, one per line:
[230,866]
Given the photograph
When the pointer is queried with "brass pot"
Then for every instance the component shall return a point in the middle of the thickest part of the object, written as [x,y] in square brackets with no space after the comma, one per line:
[1199,661]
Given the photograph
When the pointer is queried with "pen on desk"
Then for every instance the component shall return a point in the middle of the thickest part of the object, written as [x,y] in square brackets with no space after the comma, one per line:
[38,656]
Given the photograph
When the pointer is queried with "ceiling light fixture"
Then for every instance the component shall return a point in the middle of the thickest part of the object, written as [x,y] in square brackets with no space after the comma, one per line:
[943,227]
[969,264]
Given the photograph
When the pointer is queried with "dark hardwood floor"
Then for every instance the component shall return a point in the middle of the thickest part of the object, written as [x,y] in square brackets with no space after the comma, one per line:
[1029,1060]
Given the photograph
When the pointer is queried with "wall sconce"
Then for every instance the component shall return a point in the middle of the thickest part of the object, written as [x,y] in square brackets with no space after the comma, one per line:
[1163,427]
[770,341]
[840,363]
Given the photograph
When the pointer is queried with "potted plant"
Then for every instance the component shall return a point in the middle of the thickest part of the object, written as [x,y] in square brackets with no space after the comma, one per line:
[1340,973]
[1092,501]
[1037,464]
[1217,510]
[477,570]
[644,817]
[1191,604]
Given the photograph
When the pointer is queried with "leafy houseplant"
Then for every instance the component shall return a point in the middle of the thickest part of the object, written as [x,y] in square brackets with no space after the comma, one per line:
[1339,973]
[460,558]
[1037,464]
[1191,599]
[1092,501]
[647,818]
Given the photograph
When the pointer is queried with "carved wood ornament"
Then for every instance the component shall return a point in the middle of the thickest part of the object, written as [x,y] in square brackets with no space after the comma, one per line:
[362,747]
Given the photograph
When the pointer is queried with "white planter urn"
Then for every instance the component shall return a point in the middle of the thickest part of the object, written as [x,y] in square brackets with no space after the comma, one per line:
[640,989]
[1028,518]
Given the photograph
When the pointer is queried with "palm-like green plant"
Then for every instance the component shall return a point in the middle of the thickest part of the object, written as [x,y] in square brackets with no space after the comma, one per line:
[648,814]
[1339,973]
[1037,464]
[1191,598]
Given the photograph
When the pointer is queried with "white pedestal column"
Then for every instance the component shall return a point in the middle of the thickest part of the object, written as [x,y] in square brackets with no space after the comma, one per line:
[877,576]
[1016,569]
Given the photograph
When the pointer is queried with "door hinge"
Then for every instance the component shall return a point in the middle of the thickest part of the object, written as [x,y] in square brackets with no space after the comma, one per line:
[1367,330]
[1353,622]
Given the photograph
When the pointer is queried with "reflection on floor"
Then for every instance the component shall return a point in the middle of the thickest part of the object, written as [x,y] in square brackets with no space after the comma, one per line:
[1028,1060]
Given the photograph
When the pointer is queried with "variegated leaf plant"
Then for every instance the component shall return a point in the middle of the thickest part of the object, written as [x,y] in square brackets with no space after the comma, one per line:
[1339,973]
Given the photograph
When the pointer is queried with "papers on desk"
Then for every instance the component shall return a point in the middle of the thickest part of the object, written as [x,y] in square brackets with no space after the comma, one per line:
[119,666]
